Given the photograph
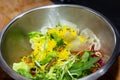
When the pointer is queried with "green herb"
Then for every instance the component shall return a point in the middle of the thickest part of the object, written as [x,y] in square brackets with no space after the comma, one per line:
[85,57]
[81,68]
[59,40]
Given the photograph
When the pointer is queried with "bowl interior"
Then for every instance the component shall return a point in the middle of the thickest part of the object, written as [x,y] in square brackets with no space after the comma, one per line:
[15,41]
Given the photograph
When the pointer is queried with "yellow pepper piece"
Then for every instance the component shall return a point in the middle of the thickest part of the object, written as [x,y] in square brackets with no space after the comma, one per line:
[82,39]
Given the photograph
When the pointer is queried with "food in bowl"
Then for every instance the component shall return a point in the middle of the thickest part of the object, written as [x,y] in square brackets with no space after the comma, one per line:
[62,52]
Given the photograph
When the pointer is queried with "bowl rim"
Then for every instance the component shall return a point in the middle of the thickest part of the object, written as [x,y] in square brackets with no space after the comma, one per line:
[92,76]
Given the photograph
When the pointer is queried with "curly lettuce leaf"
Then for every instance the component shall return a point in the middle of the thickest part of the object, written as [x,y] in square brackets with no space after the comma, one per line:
[24,73]
[22,68]
[21,65]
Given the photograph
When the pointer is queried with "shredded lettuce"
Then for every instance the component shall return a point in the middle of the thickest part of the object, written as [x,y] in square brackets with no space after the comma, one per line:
[35,34]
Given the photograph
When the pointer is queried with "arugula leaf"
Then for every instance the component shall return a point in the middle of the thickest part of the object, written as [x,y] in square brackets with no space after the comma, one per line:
[76,69]
[90,63]
[79,68]
[85,56]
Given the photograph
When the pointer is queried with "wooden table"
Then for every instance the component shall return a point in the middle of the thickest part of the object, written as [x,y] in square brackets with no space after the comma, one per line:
[11,8]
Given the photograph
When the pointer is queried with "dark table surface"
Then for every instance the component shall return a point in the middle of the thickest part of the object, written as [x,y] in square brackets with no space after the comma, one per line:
[109,8]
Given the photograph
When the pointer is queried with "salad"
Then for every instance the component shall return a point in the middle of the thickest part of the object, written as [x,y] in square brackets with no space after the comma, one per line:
[61,53]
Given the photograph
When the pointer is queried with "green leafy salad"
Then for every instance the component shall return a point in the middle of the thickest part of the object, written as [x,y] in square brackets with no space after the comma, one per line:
[61,53]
